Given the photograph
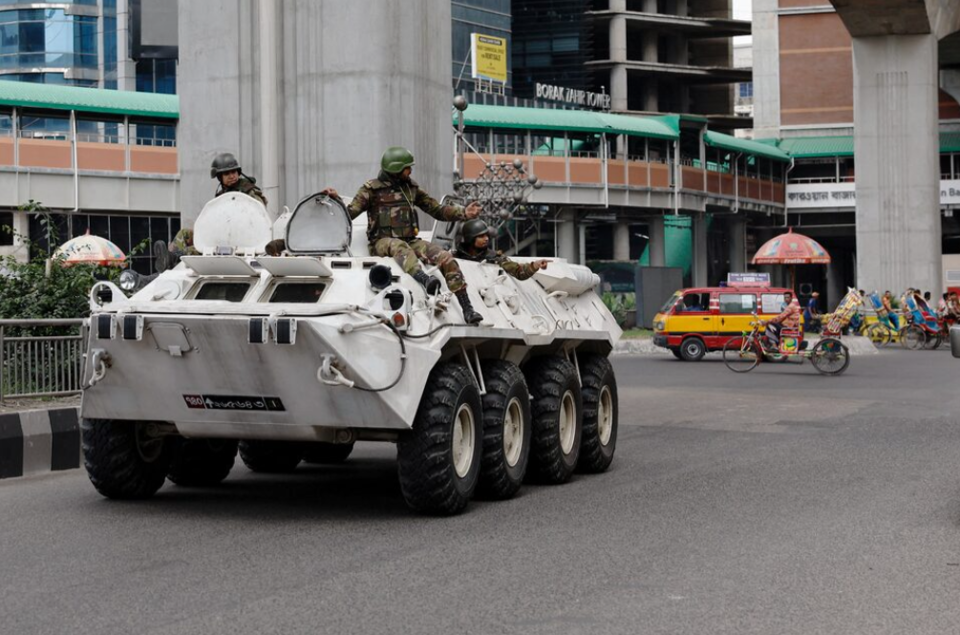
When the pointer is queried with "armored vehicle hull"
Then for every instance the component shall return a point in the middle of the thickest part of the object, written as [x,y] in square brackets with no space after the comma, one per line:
[299,356]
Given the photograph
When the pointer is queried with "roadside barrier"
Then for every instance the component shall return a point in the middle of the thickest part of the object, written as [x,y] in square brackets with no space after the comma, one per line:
[36,441]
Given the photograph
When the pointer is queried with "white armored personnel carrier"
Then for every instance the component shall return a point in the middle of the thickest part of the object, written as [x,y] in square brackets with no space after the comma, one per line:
[297,357]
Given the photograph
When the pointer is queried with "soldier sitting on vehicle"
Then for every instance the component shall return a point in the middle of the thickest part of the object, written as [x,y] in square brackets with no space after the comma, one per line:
[475,245]
[391,201]
[789,318]
[230,177]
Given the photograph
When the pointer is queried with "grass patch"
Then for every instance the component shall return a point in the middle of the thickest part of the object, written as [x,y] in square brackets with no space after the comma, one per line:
[632,334]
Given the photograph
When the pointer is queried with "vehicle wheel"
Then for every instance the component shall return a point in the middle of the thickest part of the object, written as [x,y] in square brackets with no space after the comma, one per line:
[913,337]
[557,409]
[830,356]
[692,349]
[741,355]
[933,341]
[271,457]
[439,459]
[676,353]
[601,411]
[506,430]
[327,453]
[879,334]
[125,459]
[199,462]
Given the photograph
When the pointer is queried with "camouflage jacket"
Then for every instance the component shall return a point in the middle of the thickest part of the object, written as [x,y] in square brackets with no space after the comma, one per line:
[391,208]
[515,269]
[246,185]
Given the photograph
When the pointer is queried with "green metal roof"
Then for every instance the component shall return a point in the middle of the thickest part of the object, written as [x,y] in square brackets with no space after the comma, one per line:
[113,102]
[746,146]
[505,117]
[815,147]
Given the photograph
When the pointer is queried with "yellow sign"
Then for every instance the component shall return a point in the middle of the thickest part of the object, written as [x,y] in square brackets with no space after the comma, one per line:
[489,57]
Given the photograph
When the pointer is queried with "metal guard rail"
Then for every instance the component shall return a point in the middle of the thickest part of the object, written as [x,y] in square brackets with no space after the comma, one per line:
[41,365]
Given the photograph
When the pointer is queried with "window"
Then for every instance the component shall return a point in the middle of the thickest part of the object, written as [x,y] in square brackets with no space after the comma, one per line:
[738,303]
[229,291]
[6,229]
[298,292]
[746,90]
[694,303]
[771,302]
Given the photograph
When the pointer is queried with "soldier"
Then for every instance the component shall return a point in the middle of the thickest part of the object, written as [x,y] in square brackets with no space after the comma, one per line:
[475,245]
[226,169]
[391,201]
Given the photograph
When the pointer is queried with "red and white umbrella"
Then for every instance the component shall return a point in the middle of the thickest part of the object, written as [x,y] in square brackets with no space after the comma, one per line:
[90,250]
[791,249]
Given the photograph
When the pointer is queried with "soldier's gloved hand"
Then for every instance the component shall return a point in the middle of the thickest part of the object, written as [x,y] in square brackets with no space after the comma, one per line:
[473,210]
[329,191]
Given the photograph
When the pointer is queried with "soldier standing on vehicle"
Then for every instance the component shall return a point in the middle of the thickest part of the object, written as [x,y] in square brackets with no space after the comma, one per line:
[475,245]
[391,201]
[230,177]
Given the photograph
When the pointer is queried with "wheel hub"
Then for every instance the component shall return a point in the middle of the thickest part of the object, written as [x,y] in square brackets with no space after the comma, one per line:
[463,440]
[568,422]
[513,432]
[605,415]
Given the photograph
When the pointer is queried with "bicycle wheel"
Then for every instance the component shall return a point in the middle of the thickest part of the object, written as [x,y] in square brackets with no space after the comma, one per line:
[741,354]
[830,356]
[934,340]
[879,334]
[913,337]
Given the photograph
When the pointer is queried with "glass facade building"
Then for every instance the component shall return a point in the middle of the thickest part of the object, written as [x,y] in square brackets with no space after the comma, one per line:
[489,17]
[552,42]
[61,44]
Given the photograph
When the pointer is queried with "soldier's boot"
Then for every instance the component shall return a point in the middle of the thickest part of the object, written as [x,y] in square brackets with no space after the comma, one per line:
[431,284]
[470,316]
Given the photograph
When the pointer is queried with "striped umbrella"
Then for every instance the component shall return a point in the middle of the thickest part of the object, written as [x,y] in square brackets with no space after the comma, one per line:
[791,249]
[91,250]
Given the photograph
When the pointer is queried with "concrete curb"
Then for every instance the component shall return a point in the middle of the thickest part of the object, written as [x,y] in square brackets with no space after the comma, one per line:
[37,441]
[644,346]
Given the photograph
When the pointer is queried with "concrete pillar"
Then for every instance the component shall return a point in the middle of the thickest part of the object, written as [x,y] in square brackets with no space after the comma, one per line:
[658,242]
[699,252]
[651,93]
[737,240]
[896,145]
[621,240]
[650,6]
[835,289]
[566,235]
[338,110]
[766,68]
[618,53]
[682,9]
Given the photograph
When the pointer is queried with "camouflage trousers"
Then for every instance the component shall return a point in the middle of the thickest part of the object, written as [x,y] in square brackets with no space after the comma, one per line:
[410,254]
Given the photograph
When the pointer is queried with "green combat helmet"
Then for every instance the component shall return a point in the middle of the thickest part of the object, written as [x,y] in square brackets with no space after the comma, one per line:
[222,163]
[395,160]
[470,230]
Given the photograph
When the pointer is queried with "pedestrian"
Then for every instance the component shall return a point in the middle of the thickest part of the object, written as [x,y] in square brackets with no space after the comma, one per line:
[811,315]
[475,245]
[391,201]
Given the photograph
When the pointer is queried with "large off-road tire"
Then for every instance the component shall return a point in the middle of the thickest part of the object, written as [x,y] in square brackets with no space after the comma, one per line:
[439,459]
[557,408]
[326,453]
[271,457]
[506,430]
[125,459]
[692,349]
[600,414]
[201,462]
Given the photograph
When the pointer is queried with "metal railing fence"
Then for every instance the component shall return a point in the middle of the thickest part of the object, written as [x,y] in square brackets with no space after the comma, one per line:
[41,358]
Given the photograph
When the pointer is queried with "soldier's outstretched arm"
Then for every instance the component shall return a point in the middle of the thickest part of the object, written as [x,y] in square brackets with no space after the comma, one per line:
[357,206]
[432,207]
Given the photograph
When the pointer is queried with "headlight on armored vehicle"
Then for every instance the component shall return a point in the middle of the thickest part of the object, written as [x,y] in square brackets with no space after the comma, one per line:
[659,326]
[128,280]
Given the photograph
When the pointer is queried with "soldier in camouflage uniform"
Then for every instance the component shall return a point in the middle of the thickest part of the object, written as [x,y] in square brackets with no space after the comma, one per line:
[391,201]
[475,245]
[226,169]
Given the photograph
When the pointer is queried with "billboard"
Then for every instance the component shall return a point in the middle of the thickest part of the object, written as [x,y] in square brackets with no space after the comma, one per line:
[489,54]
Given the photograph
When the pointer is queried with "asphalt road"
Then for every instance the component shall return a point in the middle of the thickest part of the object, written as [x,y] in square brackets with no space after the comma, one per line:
[776,502]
